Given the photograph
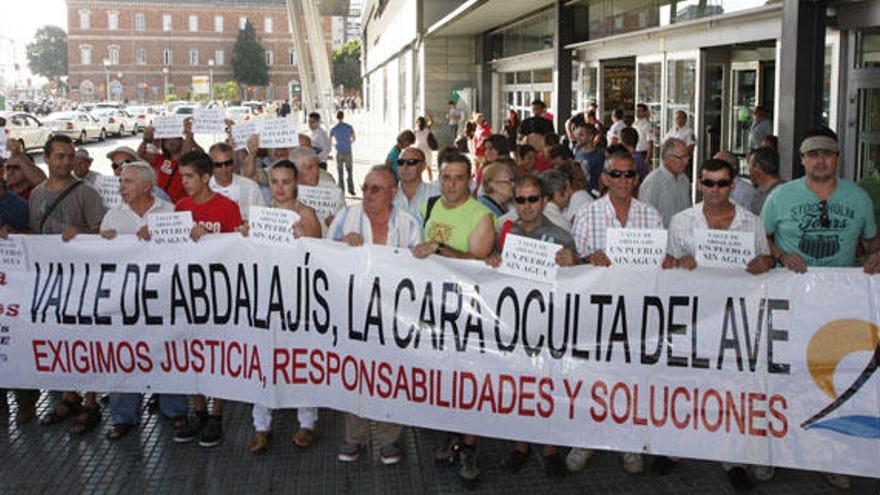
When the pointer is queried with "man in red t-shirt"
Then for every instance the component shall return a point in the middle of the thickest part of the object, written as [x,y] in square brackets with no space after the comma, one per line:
[165,162]
[213,213]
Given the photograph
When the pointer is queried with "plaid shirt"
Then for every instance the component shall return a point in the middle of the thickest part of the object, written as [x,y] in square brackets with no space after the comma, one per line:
[592,221]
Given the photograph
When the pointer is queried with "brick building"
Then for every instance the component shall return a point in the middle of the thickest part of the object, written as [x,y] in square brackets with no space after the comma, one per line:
[144,50]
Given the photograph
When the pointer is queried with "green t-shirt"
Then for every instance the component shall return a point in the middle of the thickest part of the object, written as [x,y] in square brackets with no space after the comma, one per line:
[792,215]
[454,227]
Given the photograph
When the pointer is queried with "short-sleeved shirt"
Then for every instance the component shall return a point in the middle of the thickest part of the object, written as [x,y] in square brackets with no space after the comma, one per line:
[454,227]
[341,134]
[592,163]
[13,211]
[547,231]
[81,208]
[414,206]
[592,221]
[792,215]
[683,133]
[245,192]
[680,241]
[666,192]
[758,132]
[321,142]
[392,157]
[614,131]
[125,221]
[403,229]
[218,214]
[168,177]
[646,133]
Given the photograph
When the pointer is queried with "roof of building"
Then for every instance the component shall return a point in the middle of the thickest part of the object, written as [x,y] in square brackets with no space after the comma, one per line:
[244,3]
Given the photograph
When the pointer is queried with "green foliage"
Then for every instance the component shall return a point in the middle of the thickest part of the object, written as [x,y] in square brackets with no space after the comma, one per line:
[47,55]
[347,66]
[249,58]
[226,91]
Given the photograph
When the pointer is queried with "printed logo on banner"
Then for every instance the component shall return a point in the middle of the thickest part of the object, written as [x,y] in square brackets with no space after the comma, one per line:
[827,348]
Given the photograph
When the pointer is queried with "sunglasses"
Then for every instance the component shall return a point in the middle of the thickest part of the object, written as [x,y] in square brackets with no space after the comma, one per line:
[116,165]
[713,183]
[824,219]
[227,163]
[372,188]
[520,200]
[616,174]
[408,162]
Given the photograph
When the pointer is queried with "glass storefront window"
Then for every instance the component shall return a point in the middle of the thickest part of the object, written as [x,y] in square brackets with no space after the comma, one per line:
[868,48]
[681,84]
[868,147]
[649,88]
[531,35]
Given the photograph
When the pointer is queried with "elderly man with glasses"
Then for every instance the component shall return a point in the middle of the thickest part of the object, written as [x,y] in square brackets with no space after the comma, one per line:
[123,155]
[668,188]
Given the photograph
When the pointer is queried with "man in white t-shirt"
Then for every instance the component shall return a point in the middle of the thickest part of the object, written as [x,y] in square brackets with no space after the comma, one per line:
[680,130]
[642,124]
[238,188]
[616,126]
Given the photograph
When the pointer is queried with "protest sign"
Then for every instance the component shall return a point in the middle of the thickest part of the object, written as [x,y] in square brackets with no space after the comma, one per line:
[168,126]
[529,258]
[108,188]
[12,254]
[170,228]
[209,121]
[278,132]
[723,248]
[272,226]
[642,249]
[325,200]
[717,365]
[244,130]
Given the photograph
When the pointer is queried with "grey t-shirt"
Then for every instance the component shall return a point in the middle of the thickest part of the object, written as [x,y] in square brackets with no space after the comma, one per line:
[81,208]
[547,232]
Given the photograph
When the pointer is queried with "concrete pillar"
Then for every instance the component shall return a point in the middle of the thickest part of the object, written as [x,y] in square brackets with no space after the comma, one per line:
[564,36]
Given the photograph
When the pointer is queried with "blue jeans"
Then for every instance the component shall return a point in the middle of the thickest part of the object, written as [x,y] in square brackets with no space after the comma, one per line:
[126,408]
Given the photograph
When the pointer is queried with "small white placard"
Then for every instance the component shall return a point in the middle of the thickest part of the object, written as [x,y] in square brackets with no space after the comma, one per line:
[272,226]
[108,187]
[241,131]
[636,248]
[168,126]
[278,132]
[530,259]
[723,248]
[170,228]
[323,199]
[209,121]
[13,257]
[3,139]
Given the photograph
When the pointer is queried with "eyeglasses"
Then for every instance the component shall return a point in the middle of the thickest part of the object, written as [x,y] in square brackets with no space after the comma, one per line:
[372,188]
[521,200]
[227,163]
[616,174]
[713,183]
[116,165]
[824,219]
[408,162]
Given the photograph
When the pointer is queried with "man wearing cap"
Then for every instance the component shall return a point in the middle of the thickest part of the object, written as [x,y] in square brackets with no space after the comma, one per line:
[82,162]
[124,155]
[819,219]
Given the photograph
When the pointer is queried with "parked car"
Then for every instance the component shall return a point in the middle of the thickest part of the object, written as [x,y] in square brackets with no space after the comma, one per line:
[77,125]
[240,114]
[185,109]
[26,129]
[110,104]
[172,105]
[257,107]
[116,121]
[143,115]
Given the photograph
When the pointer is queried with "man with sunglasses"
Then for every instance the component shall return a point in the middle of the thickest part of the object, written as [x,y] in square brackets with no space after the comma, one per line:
[716,212]
[820,219]
[122,156]
[668,188]
[413,191]
[243,191]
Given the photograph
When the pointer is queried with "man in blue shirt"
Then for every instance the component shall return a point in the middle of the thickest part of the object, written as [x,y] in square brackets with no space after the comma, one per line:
[342,134]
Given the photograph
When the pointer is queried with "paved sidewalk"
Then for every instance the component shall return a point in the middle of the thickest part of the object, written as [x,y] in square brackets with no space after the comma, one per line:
[38,459]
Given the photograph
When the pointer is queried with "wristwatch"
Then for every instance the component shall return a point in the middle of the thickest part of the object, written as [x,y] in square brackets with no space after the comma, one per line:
[440,246]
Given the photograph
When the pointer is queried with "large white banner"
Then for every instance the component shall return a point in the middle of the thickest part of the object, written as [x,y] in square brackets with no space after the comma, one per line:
[714,364]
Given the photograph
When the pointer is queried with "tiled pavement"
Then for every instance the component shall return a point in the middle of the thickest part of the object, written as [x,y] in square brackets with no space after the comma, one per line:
[47,460]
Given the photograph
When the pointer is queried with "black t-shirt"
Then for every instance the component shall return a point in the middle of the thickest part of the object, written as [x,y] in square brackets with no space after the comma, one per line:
[536,125]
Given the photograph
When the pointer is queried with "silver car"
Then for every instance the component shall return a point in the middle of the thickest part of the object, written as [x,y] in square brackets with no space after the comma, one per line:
[117,122]
[26,129]
[77,125]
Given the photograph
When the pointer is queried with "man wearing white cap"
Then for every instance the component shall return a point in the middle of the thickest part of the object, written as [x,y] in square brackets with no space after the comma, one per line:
[81,164]
[123,155]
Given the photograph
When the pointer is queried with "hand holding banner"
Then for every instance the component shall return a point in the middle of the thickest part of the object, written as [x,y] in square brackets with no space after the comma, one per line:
[636,248]
[170,228]
[530,259]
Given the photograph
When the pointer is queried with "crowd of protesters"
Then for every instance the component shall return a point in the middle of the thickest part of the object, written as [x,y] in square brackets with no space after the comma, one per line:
[523,180]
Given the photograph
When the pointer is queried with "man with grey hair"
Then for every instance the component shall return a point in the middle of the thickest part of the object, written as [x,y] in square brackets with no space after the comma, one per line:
[764,171]
[136,182]
[309,181]
[668,188]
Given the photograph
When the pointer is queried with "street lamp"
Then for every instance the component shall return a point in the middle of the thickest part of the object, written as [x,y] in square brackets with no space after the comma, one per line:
[107,77]
[211,79]
[165,92]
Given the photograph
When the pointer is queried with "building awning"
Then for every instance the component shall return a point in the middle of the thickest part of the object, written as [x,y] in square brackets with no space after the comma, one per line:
[475,17]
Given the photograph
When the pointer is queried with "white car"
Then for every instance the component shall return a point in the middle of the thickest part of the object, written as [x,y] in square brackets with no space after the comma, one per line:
[77,125]
[240,114]
[143,115]
[116,121]
[26,129]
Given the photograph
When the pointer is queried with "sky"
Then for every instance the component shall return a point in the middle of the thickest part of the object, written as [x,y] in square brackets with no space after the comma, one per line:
[22,18]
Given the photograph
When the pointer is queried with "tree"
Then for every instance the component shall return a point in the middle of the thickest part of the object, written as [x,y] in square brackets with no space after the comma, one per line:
[347,66]
[47,55]
[249,58]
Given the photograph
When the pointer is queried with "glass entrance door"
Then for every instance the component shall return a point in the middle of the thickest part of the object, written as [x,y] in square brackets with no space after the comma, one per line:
[868,132]
[744,94]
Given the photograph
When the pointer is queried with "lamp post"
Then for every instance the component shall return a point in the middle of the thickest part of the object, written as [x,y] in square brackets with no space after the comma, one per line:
[210,79]
[107,78]
[165,91]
